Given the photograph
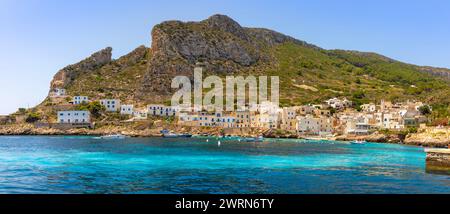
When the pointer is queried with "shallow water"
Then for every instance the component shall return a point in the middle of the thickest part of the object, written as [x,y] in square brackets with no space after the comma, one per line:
[158,165]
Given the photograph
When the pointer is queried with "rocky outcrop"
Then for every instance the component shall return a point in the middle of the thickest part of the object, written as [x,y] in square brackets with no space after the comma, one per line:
[375,137]
[439,72]
[68,74]
[220,42]
[138,55]
[428,140]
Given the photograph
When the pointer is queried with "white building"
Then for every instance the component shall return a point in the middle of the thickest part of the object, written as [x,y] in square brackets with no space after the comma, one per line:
[111,105]
[74,117]
[288,118]
[337,103]
[80,99]
[370,108]
[140,114]
[308,124]
[162,110]
[58,92]
[127,109]
[314,125]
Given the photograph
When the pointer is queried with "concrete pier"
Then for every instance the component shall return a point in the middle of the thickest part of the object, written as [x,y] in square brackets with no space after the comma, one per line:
[438,161]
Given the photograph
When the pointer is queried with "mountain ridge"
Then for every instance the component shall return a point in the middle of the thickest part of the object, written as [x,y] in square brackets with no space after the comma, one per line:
[227,48]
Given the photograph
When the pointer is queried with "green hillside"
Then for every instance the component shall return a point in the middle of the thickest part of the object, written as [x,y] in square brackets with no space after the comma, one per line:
[308,74]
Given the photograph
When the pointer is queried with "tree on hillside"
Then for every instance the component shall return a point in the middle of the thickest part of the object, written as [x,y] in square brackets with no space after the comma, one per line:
[95,108]
[33,117]
[425,110]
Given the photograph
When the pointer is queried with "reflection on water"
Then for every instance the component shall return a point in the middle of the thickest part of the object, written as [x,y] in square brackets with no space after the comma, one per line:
[158,165]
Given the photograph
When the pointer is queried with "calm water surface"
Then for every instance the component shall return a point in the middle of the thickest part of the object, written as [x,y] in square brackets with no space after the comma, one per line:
[157,165]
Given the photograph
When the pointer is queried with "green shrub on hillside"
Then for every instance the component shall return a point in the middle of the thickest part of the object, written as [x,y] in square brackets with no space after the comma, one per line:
[33,117]
[95,108]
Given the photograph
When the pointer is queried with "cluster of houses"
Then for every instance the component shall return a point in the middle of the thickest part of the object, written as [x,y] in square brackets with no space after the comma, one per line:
[306,119]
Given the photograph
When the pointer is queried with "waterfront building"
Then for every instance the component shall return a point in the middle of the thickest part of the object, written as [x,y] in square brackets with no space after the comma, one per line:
[227,120]
[111,105]
[325,125]
[267,120]
[77,100]
[308,125]
[140,114]
[162,110]
[412,118]
[74,117]
[245,118]
[288,118]
[188,119]
[314,125]
[126,109]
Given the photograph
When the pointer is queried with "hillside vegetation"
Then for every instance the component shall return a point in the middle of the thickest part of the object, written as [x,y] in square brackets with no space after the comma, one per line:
[308,74]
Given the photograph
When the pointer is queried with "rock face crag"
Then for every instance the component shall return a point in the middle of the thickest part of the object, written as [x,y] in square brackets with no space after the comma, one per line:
[68,74]
[219,42]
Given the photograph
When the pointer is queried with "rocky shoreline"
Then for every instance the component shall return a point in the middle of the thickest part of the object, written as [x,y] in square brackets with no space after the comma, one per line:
[417,139]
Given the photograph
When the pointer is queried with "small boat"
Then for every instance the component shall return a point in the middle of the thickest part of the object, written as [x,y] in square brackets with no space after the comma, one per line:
[173,135]
[252,139]
[113,136]
[170,135]
[259,139]
[185,135]
[358,142]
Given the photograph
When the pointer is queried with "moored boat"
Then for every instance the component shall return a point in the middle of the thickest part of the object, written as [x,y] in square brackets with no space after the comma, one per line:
[358,142]
[113,136]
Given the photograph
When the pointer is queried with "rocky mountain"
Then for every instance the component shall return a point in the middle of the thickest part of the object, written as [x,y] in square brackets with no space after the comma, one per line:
[307,73]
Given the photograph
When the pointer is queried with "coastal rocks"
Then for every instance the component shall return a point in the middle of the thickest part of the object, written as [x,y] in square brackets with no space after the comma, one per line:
[429,140]
[68,74]
[376,137]
[438,161]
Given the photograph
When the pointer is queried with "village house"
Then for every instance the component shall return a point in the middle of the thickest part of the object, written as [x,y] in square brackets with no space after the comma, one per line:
[140,114]
[162,110]
[314,125]
[305,110]
[288,118]
[369,108]
[126,109]
[338,104]
[74,117]
[188,119]
[57,92]
[319,112]
[267,120]
[412,118]
[227,120]
[245,118]
[77,100]
[308,125]
[111,105]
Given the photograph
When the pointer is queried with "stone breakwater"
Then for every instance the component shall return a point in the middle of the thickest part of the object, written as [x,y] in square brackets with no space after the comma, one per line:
[438,160]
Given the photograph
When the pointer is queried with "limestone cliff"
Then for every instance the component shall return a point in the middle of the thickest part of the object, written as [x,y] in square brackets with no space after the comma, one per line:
[67,75]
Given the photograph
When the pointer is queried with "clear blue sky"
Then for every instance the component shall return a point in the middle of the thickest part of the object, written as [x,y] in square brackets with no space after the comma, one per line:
[39,37]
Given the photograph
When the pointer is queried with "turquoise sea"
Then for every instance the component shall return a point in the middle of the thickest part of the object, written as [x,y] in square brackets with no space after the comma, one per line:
[34,164]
